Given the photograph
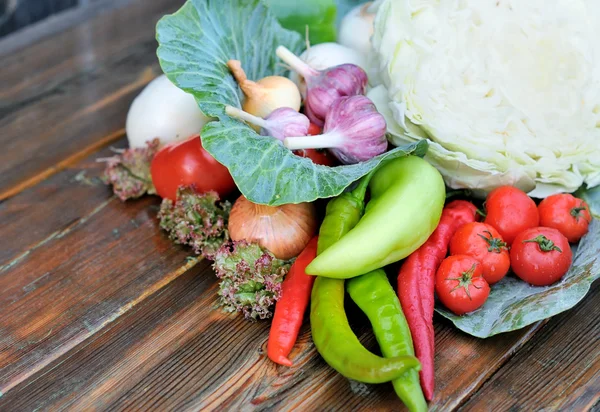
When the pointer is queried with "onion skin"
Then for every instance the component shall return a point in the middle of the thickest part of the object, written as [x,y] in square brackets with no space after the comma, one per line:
[265,95]
[282,230]
[163,111]
[356,28]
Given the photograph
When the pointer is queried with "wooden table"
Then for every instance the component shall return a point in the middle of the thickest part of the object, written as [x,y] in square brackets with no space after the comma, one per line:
[99,310]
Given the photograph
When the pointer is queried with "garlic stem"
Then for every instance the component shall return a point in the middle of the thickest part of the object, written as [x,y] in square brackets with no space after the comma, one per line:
[295,62]
[245,116]
[324,141]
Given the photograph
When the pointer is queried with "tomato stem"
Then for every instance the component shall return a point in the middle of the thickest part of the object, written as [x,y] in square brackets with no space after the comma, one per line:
[576,212]
[464,281]
[495,244]
[483,210]
[545,244]
[459,192]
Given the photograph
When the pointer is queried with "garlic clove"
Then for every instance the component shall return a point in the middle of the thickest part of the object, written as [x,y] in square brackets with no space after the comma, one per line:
[354,131]
[333,83]
[285,122]
[279,124]
[325,86]
[326,55]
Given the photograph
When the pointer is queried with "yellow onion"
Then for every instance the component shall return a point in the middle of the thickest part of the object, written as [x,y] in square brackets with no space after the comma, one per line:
[266,94]
[282,230]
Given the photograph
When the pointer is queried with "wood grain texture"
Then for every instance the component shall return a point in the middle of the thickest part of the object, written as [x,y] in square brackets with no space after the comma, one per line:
[81,328]
[559,370]
[52,25]
[463,363]
[38,215]
[66,93]
[85,266]
[178,351]
[100,311]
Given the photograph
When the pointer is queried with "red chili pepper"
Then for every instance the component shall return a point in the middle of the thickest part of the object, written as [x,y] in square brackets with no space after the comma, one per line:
[290,308]
[416,284]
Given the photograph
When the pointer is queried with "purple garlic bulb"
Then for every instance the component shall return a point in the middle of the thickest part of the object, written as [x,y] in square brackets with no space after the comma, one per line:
[354,131]
[323,87]
[281,123]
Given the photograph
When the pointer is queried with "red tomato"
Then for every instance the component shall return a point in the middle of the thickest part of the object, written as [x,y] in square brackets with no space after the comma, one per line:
[510,211]
[540,256]
[314,130]
[187,163]
[320,157]
[460,285]
[485,244]
[569,215]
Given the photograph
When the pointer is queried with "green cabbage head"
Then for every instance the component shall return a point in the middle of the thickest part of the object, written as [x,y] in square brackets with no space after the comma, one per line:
[507,91]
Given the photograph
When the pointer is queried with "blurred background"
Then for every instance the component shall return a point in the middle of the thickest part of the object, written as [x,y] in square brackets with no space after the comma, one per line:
[17,14]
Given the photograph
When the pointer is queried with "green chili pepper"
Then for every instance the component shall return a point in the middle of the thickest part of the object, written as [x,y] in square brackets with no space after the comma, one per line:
[407,197]
[374,295]
[332,335]
[341,215]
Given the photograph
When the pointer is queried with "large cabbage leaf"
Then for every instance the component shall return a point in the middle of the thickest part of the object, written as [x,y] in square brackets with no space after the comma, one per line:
[194,45]
[592,197]
[514,304]
[507,92]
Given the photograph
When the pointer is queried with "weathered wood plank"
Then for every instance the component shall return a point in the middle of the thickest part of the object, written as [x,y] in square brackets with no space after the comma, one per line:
[54,205]
[559,370]
[99,310]
[70,91]
[90,259]
[177,351]
[53,24]
[463,363]
[169,319]
[67,315]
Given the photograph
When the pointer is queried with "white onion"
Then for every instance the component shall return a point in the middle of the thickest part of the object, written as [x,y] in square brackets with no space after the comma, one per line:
[356,28]
[163,110]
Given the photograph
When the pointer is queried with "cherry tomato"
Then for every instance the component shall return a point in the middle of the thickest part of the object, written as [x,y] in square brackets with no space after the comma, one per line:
[187,163]
[569,215]
[510,211]
[485,244]
[540,256]
[460,285]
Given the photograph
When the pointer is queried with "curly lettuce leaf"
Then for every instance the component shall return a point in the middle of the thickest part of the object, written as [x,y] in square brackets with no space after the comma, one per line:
[194,45]
[514,304]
